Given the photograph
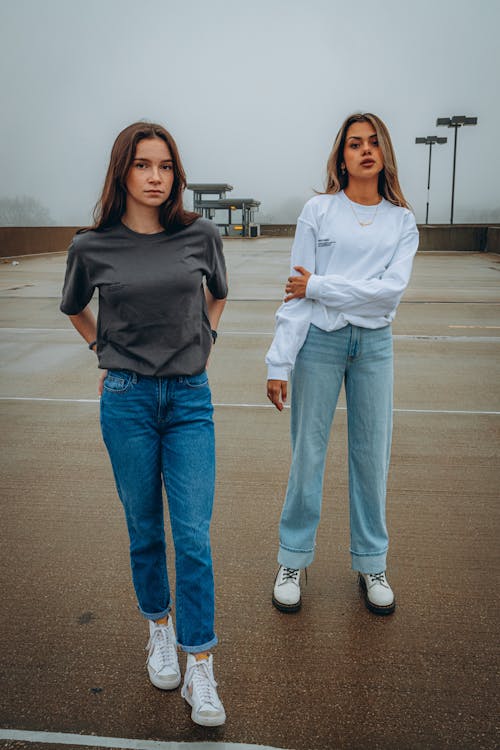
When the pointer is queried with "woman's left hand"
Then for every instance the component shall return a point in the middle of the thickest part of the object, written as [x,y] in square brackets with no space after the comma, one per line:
[296,285]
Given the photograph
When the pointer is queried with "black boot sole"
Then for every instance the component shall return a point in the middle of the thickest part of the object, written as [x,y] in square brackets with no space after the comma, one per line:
[377,610]
[289,608]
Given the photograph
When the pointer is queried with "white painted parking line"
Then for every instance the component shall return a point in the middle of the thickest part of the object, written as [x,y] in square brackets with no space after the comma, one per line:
[43,398]
[90,740]
[469,339]
[408,336]
[36,330]
[252,406]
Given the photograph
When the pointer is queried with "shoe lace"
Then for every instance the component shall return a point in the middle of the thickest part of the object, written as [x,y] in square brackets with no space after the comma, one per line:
[291,574]
[378,578]
[161,642]
[203,681]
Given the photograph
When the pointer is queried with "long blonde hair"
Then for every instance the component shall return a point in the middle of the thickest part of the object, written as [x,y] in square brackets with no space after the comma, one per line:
[388,183]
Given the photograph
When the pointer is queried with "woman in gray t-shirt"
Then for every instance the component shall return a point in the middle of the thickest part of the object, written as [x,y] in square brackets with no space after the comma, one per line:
[162,285]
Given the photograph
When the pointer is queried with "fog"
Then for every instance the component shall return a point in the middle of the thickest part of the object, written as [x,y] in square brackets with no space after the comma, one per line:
[254,94]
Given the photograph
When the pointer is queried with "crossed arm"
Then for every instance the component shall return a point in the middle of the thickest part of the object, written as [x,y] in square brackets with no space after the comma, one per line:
[295,289]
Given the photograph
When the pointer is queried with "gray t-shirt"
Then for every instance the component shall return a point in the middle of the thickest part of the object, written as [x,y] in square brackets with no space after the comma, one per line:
[153,316]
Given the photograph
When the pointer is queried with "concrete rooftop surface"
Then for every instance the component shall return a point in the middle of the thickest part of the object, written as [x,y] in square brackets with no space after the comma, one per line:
[333,676]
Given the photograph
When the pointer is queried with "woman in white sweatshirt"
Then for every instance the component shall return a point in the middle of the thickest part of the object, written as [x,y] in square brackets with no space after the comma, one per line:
[351,262]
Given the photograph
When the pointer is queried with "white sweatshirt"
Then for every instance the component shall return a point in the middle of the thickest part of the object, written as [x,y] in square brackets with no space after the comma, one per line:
[359,273]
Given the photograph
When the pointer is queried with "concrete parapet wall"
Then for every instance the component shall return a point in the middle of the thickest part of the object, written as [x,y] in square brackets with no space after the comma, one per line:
[493,240]
[439,237]
[34,240]
[277,230]
[456,237]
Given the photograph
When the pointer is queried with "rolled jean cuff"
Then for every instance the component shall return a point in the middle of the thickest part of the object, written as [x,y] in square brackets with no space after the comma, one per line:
[369,563]
[295,559]
[199,649]
[155,615]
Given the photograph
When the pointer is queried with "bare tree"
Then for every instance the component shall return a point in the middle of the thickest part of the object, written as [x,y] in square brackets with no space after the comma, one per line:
[23,211]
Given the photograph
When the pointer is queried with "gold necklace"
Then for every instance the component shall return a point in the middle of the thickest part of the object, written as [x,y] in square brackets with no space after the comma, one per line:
[364,223]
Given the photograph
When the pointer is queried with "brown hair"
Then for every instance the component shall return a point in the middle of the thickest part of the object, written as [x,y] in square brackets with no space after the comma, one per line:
[111,206]
[388,183]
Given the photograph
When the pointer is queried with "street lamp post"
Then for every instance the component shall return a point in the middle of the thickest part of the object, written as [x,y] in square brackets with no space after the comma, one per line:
[429,140]
[455,122]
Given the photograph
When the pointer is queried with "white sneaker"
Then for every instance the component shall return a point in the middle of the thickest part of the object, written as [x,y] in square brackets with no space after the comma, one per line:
[286,593]
[200,691]
[379,597]
[162,662]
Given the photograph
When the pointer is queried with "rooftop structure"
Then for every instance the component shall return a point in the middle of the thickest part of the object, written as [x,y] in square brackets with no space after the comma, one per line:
[210,208]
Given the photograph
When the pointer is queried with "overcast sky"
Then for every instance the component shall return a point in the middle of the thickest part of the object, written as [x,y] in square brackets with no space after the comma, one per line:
[253,92]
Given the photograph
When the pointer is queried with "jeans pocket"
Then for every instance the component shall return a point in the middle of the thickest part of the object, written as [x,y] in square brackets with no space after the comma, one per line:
[118,381]
[196,381]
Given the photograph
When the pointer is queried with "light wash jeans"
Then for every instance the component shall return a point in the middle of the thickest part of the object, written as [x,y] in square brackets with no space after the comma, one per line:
[362,358]
[162,427]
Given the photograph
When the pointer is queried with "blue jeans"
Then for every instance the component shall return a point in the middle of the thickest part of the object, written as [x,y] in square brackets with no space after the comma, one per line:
[362,358]
[163,427]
